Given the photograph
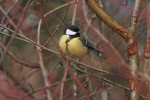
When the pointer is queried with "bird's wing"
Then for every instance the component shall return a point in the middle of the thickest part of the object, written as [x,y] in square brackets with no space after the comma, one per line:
[88,44]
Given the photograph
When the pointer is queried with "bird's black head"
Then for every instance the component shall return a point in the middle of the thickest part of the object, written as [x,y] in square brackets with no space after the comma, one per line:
[73,31]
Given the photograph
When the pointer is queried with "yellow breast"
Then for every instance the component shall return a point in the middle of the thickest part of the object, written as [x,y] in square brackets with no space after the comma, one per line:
[62,43]
[73,47]
[76,48]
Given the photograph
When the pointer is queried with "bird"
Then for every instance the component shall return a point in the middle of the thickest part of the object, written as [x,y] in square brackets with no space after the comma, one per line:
[73,44]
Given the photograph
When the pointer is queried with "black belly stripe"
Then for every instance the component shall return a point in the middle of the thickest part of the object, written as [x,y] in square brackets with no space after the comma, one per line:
[67,45]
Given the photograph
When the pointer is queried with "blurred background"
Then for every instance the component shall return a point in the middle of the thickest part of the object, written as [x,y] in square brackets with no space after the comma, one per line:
[17,81]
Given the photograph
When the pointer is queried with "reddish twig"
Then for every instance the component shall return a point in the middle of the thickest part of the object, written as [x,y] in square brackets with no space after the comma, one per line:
[16,30]
[65,62]
[83,64]
[60,22]
[75,12]
[62,84]
[43,67]
[20,7]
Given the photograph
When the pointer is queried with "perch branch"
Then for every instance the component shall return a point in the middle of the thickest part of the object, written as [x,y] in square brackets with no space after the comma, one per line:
[127,34]
[65,62]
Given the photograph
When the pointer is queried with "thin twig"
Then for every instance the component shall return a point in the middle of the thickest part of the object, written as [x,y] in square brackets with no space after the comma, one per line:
[85,75]
[75,12]
[135,16]
[48,13]
[43,67]
[60,22]
[108,20]
[83,64]
[57,90]
[8,11]
[18,27]
[14,5]
[10,20]
[65,62]
[20,7]
[62,84]
[73,23]
[106,42]
[128,35]
[39,89]
[84,18]
[45,15]
[49,75]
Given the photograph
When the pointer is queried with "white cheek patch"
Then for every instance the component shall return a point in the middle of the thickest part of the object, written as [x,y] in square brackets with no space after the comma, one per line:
[69,32]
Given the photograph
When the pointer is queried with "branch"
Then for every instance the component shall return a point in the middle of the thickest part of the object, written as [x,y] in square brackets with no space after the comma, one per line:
[127,34]
[43,67]
[45,15]
[62,84]
[73,23]
[107,51]
[108,20]
[10,21]
[65,62]
[83,64]
[20,7]
[147,49]
[75,12]
[135,16]
[133,52]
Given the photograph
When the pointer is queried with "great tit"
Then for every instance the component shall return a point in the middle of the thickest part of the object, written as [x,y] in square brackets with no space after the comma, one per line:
[73,44]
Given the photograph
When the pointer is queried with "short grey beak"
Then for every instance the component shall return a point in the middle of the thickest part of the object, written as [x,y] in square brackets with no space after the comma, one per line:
[79,32]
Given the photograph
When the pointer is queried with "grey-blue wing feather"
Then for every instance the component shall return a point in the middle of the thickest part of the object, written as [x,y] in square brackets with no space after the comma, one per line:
[88,45]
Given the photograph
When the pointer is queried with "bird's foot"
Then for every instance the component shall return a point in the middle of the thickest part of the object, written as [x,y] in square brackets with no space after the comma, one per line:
[77,62]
